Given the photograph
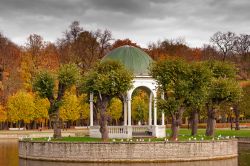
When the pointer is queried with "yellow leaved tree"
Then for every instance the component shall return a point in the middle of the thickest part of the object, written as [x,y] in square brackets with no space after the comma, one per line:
[115,109]
[84,112]
[140,107]
[74,108]
[3,114]
[41,109]
[21,107]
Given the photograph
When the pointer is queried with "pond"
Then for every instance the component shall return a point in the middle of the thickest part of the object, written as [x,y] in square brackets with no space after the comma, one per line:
[9,157]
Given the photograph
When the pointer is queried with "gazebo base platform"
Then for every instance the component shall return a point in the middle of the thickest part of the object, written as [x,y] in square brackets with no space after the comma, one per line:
[158,131]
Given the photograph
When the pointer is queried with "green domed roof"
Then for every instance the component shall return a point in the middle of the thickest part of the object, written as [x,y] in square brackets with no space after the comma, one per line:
[133,59]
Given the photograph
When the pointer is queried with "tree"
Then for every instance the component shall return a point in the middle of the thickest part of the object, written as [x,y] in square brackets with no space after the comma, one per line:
[21,107]
[115,109]
[26,71]
[140,106]
[173,78]
[242,45]
[122,42]
[41,109]
[74,107]
[199,81]
[10,80]
[44,84]
[225,42]
[71,107]
[171,48]
[139,109]
[3,114]
[83,47]
[84,113]
[34,47]
[242,48]
[106,80]
[244,103]
[209,52]
[223,89]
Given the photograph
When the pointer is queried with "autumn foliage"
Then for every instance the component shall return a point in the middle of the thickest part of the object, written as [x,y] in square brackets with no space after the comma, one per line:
[19,65]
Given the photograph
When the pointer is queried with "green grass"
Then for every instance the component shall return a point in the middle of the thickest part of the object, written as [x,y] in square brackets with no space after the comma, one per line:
[185,134]
[222,132]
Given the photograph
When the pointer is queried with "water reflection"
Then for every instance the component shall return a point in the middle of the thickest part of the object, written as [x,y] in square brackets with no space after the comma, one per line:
[244,157]
[230,162]
[8,152]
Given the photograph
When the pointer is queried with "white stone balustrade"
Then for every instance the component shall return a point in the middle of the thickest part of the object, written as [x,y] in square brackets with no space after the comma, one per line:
[114,131]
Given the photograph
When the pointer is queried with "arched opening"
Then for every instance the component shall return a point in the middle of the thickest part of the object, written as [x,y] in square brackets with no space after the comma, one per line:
[141,106]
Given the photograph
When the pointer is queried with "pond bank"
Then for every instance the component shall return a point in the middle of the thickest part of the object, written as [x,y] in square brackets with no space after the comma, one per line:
[128,151]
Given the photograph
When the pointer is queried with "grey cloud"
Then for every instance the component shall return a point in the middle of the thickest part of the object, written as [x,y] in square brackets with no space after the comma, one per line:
[140,20]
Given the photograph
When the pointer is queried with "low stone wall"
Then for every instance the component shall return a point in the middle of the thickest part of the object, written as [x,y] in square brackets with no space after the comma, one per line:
[128,151]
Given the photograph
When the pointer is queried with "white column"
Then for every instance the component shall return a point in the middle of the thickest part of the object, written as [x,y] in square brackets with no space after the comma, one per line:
[162,114]
[125,106]
[155,111]
[150,109]
[129,110]
[91,108]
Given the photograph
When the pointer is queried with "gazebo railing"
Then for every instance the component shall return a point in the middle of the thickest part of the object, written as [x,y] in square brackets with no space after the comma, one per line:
[129,131]
[114,131]
[141,130]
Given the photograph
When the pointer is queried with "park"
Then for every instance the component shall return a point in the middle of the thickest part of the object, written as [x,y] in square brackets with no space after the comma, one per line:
[121,103]
[173,88]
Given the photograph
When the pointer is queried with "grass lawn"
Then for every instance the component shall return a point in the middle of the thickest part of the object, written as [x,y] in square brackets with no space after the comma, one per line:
[183,136]
[222,132]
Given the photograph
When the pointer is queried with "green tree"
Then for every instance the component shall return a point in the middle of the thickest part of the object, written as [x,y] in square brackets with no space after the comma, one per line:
[173,79]
[199,81]
[223,89]
[106,80]
[244,103]
[44,84]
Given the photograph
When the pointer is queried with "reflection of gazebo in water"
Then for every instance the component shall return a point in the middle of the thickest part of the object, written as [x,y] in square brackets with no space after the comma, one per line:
[138,62]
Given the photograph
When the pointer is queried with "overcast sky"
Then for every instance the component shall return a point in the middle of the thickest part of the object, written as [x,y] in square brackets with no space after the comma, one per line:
[142,21]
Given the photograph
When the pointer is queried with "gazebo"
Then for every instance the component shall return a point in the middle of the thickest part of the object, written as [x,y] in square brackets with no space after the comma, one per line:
[137,61]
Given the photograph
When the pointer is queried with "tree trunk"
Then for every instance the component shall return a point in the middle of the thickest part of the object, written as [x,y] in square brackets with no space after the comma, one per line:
[102,104]
[194,122]
[176,122]
[174,128]
[210,122]
[237,116]
[34,124]
[19,125]
[54,108]
[231,122]
[57,126]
